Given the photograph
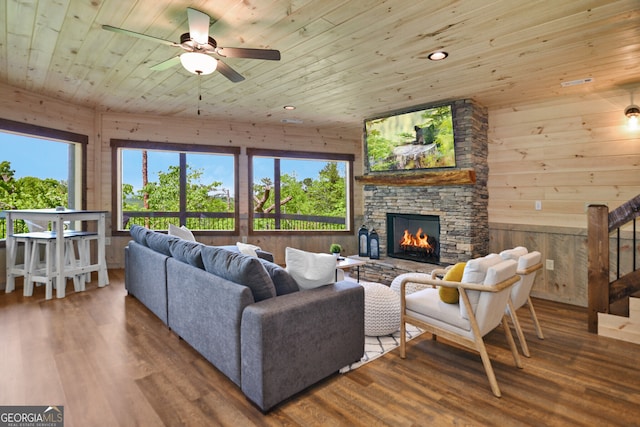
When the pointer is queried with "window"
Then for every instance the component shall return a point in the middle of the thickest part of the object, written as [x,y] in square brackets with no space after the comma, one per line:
[40,168]
[300,191]
[160,184]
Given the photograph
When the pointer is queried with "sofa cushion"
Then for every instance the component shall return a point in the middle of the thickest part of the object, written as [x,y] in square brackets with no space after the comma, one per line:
[259,252]
[282,280]
[239,268]
[310,270]
[182,232]
[188,252]
[160,242]
[139,234]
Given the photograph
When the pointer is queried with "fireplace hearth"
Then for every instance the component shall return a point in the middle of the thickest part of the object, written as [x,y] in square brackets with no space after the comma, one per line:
[413,237]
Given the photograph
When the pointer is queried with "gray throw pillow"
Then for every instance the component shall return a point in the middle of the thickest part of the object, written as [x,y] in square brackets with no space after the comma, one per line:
[239,268]
[160,242]
[282,280]
[139,234]
[187,252]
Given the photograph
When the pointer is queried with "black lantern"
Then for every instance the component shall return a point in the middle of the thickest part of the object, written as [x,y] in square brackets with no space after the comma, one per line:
[374,245]
[363,241]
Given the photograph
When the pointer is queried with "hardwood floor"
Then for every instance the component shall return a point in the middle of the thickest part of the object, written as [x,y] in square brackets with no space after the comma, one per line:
[111,362]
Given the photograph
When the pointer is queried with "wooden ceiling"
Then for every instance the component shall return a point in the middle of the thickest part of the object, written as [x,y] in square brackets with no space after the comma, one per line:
[342,60]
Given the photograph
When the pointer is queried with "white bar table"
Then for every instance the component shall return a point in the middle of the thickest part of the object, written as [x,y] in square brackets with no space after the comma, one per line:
[58,218]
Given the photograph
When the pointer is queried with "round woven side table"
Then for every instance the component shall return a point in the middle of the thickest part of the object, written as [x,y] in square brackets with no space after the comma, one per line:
[381,310]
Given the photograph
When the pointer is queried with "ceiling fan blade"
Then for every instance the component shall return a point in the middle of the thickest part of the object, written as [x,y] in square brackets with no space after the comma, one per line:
[229,72]
[138,35]
[172,62]
[199,23]
[240,52]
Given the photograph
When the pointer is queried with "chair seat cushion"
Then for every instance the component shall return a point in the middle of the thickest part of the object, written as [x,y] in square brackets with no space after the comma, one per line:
[427,306]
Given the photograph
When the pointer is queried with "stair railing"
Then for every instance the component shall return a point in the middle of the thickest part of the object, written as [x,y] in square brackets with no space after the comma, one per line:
[601,291]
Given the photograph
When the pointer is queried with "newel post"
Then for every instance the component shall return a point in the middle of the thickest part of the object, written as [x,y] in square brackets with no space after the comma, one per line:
[598,261]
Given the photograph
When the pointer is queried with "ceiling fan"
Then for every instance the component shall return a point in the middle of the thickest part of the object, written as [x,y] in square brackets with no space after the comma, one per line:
[199,47]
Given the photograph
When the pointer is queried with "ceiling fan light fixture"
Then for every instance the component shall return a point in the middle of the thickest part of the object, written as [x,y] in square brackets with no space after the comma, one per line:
[198,63]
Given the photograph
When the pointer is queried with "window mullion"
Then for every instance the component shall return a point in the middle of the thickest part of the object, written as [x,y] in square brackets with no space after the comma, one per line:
[276,192]
[183,189]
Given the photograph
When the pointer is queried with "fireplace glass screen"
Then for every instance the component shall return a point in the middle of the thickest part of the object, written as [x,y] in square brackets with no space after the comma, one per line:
[413,237]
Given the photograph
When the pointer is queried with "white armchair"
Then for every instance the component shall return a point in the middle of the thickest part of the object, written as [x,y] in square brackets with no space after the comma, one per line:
[528,265]
[481,308]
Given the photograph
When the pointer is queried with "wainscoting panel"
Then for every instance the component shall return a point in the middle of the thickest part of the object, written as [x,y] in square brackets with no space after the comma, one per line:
[565,247]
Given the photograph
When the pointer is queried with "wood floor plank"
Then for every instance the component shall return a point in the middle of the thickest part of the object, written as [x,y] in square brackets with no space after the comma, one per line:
[110,361]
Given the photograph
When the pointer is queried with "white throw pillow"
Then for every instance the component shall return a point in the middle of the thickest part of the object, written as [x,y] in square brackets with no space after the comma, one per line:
[310,270]
[247,249]
[182,232]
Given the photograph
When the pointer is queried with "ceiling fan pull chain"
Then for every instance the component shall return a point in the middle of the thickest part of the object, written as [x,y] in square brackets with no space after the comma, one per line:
[199,90]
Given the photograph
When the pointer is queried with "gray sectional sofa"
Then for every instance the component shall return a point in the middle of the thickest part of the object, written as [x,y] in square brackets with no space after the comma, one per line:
[246,315]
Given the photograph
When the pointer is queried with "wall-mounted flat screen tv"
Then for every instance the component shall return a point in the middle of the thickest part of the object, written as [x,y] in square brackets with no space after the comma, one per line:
[418,138]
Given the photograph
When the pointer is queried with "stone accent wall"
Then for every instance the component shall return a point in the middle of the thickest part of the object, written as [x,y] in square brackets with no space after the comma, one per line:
[464,218]
[386,269]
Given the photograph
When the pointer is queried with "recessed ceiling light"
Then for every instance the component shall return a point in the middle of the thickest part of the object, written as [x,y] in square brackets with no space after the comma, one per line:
[438,55]
[289,107]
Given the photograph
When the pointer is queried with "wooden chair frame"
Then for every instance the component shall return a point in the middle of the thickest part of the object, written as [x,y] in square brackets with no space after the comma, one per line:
[475,344]
[534,317]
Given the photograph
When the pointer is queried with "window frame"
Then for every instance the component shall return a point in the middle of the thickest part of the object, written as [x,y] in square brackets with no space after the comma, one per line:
[116,176]
[302,155]
[41,132]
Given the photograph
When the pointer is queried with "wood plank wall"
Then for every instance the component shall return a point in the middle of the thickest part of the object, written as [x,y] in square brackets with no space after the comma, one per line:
[102,126]
[22,106]
[566,153]
[243,135]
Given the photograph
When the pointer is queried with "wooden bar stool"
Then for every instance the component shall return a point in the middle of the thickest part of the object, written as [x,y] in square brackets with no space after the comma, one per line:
[43,270]
[13,268]
[82,263]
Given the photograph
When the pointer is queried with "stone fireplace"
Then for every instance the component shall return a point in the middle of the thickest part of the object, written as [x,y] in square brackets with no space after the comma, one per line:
[413,237]
[461,207]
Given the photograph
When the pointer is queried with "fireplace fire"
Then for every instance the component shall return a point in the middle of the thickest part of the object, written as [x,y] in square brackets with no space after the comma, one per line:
[413,237]
[418,242]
